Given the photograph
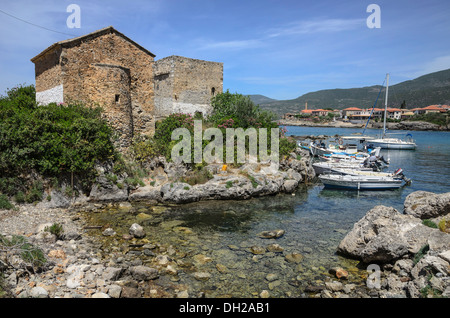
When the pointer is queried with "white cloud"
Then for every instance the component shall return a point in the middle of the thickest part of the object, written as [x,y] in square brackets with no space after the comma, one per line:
[439,63]
[232,45]
[317,26]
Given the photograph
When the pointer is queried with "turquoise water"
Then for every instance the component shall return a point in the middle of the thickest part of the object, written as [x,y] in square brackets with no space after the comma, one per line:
[223,233]
[428,166]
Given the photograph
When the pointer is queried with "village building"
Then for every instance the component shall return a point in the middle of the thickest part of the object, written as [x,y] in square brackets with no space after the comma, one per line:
[350,111]
[394,113]
[320,112]
[106,68]
[431,109]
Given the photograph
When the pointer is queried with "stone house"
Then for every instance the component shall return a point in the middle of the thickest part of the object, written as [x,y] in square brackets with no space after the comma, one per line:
[105,68]
[185,85]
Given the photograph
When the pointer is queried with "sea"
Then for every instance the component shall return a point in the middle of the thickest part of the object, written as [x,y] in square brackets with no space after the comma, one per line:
[222,238]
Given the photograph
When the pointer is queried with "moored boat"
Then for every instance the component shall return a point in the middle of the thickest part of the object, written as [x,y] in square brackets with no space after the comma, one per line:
[365,181]
[394,143]
[352,182]
[389,142]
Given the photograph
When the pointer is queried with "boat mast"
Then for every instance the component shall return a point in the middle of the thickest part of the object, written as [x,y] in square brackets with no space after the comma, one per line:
[385,105]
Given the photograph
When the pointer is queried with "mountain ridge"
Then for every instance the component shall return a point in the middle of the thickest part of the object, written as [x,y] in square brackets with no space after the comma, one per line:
[425,90]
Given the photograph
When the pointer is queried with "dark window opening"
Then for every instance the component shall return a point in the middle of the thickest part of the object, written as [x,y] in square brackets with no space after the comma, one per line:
[213,91]
[117,98]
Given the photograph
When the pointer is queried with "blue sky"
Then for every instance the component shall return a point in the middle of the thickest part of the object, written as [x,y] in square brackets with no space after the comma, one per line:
[280,49]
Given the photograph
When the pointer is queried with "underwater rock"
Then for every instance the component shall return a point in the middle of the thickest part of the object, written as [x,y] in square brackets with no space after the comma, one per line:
[137,231]
[271,234]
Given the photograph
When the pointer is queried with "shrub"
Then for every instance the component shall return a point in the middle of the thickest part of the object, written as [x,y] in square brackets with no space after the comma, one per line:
[287,146]
[19,197]
[29,253]
[243,112]
[444,225]
[50,140]
[55,229]
[4,202]
[36,192]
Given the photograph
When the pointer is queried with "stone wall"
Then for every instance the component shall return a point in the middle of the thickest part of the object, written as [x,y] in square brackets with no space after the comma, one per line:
[109,86]
[185,85]
[83,84]
[48,70]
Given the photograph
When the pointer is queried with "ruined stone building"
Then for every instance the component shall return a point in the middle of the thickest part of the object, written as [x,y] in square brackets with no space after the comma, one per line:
[185,85]
[107,69]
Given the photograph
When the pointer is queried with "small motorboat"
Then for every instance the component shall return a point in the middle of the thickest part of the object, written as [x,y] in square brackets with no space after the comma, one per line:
[364,182]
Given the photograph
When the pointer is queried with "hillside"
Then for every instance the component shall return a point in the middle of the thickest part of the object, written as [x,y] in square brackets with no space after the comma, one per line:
[433,88]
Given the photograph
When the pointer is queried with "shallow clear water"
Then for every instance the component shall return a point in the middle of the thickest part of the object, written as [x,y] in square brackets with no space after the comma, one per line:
[314,220]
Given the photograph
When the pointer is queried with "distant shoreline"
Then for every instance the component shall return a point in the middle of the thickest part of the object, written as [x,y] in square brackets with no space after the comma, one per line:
[404,125]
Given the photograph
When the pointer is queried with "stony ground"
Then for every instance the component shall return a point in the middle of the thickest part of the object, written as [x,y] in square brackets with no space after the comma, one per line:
[74,266]
[79,265]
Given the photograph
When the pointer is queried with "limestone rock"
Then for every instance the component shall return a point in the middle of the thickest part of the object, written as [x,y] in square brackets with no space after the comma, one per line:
[427,205]
[147,193]
[38,292]
[289,186]
[143,272]
[137,231]
[294,258]
[272,234]
[384,234]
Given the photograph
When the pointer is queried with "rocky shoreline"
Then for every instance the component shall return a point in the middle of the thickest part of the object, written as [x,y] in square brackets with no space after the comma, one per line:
[404,125]
[79,264]
[410,251]
[165,183]
[409,258]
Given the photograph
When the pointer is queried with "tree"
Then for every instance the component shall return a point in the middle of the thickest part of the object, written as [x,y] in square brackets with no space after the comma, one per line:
[403,105]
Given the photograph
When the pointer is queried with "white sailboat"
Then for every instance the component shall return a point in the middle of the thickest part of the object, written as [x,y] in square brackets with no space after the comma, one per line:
[389,142]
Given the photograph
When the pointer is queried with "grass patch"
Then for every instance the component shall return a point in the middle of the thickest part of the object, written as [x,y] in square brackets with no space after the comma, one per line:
[421,253]
[429,223]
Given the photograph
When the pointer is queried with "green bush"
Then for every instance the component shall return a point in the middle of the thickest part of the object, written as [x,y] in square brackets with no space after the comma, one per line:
[36,192]
[50,140]
[228,111]
[31,254]
[434,118]
[241,110]
[4,202]
[55,229]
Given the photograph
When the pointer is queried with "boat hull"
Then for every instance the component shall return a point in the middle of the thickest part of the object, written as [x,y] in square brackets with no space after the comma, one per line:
[393,145]
[366,183]
[323,168]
